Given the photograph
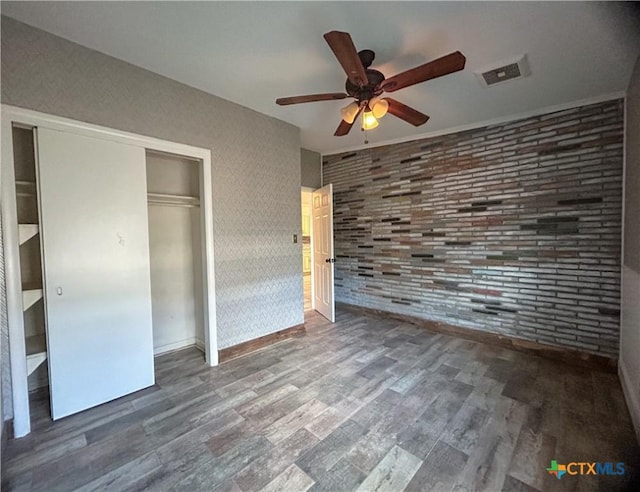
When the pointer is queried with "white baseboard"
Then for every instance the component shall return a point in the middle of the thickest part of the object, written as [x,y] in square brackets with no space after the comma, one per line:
[631,396]
[170,347]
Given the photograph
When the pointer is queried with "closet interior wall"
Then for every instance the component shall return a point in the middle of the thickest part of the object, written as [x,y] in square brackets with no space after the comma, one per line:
[173,195]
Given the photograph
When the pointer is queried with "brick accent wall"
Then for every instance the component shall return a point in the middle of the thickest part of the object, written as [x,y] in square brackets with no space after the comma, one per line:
[512,229]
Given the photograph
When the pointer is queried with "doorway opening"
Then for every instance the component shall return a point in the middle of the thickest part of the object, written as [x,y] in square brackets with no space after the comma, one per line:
[307,284]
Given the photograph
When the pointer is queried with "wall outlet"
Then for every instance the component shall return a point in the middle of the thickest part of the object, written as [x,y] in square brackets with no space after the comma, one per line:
[295,239]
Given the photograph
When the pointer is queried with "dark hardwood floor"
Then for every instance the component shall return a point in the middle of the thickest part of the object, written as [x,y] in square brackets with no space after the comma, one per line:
[366,403]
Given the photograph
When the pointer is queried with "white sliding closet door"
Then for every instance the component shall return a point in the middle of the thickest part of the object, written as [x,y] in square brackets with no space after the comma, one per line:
[96,269]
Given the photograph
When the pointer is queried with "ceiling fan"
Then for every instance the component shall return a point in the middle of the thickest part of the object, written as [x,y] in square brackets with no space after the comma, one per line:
[366,85]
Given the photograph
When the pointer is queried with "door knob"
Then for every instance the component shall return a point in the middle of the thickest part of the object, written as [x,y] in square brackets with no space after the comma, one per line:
[330,260]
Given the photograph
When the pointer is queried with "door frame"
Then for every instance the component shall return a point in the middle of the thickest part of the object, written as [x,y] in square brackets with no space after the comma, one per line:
[10,116]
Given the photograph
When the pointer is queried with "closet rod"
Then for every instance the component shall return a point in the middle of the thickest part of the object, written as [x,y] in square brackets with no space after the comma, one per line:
[156,203]
[176,200]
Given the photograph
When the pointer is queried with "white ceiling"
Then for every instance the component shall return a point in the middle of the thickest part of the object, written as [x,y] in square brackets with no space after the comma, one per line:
[254,52]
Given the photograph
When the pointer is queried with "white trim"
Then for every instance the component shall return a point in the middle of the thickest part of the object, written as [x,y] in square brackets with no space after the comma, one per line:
[481,124]
[313,287]
[208,280]
[172,347]
[31,118]
[35,118]
[10,238]
[313,265]
[633,400]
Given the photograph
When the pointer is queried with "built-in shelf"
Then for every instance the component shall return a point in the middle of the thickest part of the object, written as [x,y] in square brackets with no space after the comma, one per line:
[30,297]
[36,348]
[176,200]
[25,188]
[27,231]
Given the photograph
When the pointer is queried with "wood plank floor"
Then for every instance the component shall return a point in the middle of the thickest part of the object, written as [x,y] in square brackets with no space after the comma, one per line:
[364,404]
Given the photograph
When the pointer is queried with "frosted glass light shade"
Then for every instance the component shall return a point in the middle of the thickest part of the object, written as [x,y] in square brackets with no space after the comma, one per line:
[349,112]
[380,108]
[369,121]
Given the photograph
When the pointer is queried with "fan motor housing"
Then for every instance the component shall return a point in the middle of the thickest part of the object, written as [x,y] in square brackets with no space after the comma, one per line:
[366,92]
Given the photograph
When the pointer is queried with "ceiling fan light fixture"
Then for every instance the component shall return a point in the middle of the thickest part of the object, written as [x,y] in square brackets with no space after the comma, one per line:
[369,121]
[349,112]
[363,83]
[380,107]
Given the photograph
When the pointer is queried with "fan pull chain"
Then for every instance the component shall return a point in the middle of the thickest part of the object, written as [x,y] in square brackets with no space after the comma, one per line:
[366,140]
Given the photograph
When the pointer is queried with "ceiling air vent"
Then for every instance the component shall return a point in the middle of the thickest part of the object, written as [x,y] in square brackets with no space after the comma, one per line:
[504,71]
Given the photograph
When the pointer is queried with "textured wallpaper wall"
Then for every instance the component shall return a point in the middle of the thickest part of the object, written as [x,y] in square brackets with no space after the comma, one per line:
[311,169]
[512,228]
[255,158]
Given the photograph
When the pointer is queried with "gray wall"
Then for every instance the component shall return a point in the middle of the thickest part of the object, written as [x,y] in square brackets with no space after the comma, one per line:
[311,169]
[630,328]
[632,174]
[255,158]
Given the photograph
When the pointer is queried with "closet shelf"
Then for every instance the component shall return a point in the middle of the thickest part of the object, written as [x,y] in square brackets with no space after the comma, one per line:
[30,297]
[36,348]
[168,199]
[27,231]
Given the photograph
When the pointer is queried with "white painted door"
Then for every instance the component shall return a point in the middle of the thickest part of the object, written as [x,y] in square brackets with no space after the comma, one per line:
[322,244]
[93,214]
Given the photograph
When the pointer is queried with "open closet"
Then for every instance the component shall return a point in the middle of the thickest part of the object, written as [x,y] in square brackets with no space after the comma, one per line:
[173,196]
[30,257]
[109,259]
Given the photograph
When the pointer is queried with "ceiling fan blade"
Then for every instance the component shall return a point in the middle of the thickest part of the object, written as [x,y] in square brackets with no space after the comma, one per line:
[344,127]
[404,112]
[437,68]
[283,101]
[342,46]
